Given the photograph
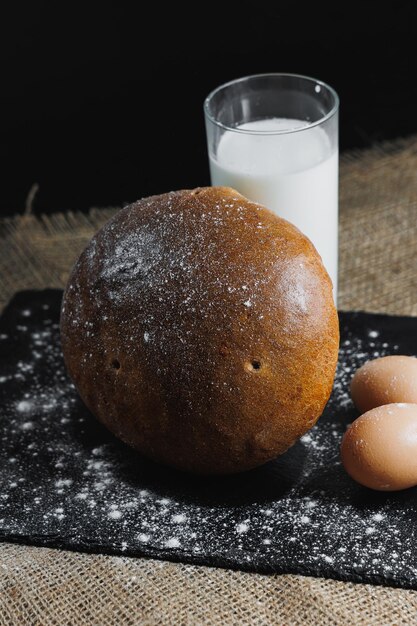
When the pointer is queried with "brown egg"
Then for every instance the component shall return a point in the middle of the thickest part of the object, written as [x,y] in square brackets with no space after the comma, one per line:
[379,450]
[383,381]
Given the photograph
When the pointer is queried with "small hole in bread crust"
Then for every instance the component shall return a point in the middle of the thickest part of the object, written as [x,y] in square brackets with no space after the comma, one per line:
[253,366]
[116,364]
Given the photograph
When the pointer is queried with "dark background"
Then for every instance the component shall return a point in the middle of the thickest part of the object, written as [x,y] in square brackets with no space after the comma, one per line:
[102,103]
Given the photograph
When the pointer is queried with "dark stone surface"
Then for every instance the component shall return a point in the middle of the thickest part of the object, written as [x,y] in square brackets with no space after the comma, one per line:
[66,482]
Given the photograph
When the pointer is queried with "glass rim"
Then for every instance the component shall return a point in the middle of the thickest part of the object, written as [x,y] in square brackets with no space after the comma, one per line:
[287,131]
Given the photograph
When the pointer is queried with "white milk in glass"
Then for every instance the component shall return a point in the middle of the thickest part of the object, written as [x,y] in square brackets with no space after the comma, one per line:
[294,174]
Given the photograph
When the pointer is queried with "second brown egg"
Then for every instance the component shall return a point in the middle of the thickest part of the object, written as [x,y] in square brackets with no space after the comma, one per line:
[384,381]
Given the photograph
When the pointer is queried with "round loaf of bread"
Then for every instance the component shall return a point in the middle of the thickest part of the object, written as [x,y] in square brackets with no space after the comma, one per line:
[200,328]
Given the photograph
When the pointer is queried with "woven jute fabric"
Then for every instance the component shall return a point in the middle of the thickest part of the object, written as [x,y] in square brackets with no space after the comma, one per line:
[378,272]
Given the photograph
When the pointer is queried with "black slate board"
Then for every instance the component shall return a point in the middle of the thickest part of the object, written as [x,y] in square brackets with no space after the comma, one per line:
[66,482]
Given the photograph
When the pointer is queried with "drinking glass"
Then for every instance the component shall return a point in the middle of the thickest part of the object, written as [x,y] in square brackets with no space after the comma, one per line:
[274,138]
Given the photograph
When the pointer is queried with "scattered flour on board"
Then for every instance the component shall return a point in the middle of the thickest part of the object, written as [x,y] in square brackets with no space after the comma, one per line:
[66,476]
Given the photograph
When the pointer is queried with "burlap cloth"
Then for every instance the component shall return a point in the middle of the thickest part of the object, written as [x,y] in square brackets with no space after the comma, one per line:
[378,272]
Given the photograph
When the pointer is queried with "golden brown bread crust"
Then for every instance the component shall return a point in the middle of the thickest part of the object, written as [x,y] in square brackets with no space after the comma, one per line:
[200,329]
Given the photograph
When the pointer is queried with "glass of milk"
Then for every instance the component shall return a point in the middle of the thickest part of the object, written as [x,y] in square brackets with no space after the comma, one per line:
[274,138]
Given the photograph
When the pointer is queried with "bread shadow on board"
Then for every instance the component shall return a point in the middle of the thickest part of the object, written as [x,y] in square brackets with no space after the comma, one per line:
[270,482]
